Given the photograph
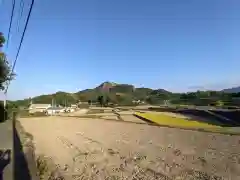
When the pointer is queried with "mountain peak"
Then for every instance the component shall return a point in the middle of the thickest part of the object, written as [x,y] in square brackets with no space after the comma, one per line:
[106,85]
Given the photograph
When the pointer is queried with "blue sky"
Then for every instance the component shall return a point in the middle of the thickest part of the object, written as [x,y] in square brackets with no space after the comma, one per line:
[72,45]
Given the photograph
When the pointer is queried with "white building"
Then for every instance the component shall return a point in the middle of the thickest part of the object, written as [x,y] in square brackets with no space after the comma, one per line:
[54,110]
[38,108]
[74,106]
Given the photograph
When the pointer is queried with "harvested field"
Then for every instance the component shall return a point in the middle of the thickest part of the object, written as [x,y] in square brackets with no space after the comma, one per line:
[75,113]
[100,149]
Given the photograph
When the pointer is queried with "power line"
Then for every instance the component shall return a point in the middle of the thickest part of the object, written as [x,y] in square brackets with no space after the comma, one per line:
[10,25]
[21,7]
[20,45]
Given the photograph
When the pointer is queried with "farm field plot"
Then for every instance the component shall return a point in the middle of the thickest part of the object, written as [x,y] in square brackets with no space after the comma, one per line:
[100,149]
[164,119]
[75,113]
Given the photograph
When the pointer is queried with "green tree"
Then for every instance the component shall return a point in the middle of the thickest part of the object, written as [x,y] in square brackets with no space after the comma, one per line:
[2,39]
[107,101]
[5,68]
[89,102]
[219,103]
[101,100]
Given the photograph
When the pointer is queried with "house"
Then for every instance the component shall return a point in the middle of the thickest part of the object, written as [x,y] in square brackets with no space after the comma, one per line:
[74,106]
[54,110]
[82,102]
[38,108]
[136,101]
[69,109]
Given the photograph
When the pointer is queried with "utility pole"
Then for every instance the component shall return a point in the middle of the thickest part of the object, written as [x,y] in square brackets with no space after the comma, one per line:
[4,102]
[52,107]
[4,106]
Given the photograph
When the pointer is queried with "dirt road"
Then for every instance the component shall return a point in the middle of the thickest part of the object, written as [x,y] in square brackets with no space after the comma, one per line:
[96,149]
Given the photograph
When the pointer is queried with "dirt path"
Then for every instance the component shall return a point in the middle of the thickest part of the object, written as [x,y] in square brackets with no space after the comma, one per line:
[94,148]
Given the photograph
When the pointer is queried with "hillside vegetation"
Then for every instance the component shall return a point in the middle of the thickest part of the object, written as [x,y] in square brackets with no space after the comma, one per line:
[125,94]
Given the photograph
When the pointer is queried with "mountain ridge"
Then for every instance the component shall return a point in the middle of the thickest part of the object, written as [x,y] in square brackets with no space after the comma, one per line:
[115,91]
[232,90]
[124,93]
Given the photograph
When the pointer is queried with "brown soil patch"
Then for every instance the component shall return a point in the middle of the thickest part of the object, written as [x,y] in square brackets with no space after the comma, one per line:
[95,149]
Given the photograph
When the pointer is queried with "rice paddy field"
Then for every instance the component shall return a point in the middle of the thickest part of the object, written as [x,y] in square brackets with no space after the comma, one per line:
[183,123]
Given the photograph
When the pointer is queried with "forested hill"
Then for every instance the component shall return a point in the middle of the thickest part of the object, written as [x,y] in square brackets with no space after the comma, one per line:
[124,94]
[232,90]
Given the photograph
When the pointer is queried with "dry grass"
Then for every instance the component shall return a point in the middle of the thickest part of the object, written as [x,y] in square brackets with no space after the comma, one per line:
[47,170]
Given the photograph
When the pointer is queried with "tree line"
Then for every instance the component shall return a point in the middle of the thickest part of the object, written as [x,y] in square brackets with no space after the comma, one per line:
[6,74]
[201,98]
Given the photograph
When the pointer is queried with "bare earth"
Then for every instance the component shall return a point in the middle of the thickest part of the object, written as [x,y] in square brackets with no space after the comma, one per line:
[99,149]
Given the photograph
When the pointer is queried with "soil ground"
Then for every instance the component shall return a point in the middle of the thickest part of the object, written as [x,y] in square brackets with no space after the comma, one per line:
[88,148]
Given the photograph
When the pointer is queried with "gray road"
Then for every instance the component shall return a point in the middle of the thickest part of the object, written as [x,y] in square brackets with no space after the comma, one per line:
[6,142]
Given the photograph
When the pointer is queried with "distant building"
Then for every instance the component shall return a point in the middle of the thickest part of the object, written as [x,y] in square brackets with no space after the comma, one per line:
[74,106]
[38,108]
[54,110]
[136,101]
[82,102]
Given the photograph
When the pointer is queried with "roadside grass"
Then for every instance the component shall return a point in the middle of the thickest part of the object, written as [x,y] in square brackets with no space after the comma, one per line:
[169,121]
